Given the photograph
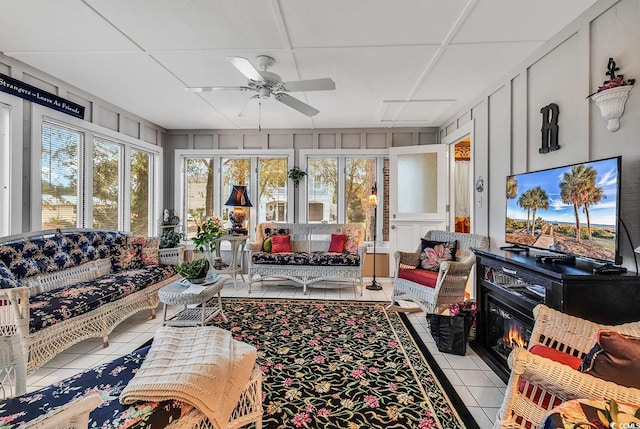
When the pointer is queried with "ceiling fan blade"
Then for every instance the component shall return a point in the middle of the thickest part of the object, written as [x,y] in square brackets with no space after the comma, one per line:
[246,68]
[241,112]
[310,85]
[296,104]
[215,88]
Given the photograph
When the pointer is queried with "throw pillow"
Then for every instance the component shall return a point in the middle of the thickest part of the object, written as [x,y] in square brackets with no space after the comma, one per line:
[614,358]
[556,355]
[337,243]
[150,249]
[434,252]
[281,244]
[355,238]
[266,245]
[127,257]
[270,232]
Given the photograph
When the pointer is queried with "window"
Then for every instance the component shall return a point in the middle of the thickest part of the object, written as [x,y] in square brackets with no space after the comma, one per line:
[322,190]
[93,179]
[60,157]
[5,164]
[272,189]
[107,166]
[141,192]
[208,178]
[339,185]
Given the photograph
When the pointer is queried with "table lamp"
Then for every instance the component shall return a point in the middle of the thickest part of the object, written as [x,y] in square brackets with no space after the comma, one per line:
[238,199]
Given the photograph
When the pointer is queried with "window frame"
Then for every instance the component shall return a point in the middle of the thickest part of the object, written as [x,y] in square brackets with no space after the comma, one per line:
[341,155]
[90,131]
[181,155]
[15,167]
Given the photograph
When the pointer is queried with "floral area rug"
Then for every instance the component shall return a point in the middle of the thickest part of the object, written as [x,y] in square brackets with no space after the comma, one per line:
[341,364]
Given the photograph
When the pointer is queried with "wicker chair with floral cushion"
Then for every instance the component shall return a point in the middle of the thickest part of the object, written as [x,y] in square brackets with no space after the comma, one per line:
[537,383]
[434,290]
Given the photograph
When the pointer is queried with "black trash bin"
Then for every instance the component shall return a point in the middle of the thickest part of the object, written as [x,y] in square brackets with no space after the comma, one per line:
[451,333]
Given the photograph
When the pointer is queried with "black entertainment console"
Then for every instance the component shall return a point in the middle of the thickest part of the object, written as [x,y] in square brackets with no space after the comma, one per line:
[510,284]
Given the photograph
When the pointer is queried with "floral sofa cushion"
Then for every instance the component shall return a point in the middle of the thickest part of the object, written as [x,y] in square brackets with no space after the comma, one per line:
[54,306]
[305,258]
[108,380]
[54,252]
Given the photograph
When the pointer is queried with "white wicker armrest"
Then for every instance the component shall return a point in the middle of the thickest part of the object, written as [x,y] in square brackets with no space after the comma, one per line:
[407,258]
[533,373]
[457,268]
[571,334]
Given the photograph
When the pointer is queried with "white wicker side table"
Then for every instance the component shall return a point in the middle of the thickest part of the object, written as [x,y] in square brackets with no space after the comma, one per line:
[184,293]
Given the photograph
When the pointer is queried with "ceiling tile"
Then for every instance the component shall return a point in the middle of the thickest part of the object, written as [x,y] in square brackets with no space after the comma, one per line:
[368,22]
[520,20]
[194,24]
[56,26]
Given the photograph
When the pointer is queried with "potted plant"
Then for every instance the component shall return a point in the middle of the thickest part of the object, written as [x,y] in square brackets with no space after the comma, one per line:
[194,271]
[296,174]
[207,235]
[170,239]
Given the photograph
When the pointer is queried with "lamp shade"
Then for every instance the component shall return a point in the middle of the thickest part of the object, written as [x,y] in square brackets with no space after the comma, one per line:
[238,197]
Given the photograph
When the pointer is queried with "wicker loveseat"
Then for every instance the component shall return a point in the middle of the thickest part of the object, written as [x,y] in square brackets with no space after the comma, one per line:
[537,384]
[60,287]
[434,291]
[309,262]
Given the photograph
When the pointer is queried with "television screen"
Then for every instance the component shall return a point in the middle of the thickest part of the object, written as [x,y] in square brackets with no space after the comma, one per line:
[571,209]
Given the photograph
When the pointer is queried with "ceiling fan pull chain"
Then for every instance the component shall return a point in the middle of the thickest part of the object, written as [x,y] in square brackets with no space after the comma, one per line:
[259,115]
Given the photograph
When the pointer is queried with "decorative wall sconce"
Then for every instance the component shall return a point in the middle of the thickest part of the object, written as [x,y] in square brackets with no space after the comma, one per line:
[611,103]
[612,96]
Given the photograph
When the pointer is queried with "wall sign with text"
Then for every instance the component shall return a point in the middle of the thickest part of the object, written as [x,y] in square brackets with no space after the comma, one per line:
[36,95]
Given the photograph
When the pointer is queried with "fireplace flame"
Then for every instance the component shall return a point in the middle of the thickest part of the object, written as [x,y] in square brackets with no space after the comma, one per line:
[513,337]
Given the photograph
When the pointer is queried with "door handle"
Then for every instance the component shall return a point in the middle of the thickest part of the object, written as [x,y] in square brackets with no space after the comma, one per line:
[393,227]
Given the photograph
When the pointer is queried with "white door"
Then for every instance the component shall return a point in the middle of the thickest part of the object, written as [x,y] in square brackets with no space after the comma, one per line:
[418,195]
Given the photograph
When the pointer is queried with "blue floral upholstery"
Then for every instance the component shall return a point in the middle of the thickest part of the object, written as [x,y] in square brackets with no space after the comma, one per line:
[108,380]
[54,306]
[304,258]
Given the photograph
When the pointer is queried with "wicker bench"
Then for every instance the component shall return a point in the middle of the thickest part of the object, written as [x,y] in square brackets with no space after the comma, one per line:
[59,287]
[310,262]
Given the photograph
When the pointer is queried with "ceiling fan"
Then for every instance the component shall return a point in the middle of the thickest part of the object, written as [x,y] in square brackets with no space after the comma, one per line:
[266,83]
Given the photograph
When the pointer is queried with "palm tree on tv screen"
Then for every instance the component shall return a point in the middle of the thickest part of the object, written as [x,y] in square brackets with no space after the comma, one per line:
[526,202]
[577,188]
[539,200]
[592,195]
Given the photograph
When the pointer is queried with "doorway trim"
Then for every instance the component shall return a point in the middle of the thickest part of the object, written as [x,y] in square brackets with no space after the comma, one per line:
[463,132]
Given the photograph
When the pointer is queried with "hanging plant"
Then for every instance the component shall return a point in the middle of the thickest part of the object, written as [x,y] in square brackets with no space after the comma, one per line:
[296,174]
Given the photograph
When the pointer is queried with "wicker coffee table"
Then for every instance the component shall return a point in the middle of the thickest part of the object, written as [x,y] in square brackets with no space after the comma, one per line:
[184,293]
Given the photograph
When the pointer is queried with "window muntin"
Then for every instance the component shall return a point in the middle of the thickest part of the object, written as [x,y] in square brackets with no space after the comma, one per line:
[60,166]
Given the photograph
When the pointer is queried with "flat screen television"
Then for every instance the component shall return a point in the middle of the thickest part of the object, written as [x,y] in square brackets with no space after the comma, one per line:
[572,210]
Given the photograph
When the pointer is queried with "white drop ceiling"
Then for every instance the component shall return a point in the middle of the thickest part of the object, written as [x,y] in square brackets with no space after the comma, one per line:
[395,63]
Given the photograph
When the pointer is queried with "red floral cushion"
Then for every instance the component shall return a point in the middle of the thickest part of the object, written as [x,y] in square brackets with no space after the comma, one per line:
[281,244]
[417,275]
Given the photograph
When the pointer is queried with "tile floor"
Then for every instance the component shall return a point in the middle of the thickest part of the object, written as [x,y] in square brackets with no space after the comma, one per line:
[477,385]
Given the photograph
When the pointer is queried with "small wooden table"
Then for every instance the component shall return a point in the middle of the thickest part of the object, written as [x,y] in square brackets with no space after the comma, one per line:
[182,292]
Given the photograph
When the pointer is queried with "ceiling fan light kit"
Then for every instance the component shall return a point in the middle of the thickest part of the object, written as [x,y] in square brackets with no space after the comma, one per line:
[266,83]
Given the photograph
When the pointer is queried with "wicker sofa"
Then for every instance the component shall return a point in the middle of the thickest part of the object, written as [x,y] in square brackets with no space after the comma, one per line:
[434,291]
[60,287]
[537,384]
[309,262]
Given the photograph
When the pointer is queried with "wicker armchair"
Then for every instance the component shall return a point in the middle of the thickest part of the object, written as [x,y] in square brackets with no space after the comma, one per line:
[452,276]
[550,382]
